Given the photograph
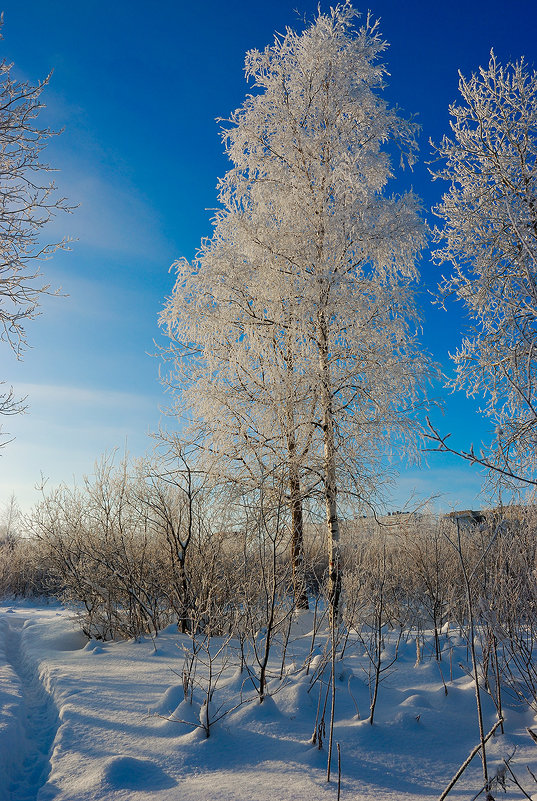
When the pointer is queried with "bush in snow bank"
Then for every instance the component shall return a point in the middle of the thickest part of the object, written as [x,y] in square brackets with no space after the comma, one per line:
[24,569]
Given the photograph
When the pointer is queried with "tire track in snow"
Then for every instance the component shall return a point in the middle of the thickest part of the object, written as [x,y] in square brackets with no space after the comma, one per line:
[38,724]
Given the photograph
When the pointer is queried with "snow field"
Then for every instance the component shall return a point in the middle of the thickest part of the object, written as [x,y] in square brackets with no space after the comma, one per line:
[90,720]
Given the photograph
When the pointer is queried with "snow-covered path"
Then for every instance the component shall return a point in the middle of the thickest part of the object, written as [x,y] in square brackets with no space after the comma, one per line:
[27,755]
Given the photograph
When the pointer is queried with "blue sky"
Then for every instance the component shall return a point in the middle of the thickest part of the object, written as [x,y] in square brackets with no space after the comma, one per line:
[136,88]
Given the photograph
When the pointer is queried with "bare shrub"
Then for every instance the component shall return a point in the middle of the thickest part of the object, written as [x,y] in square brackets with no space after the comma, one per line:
[102,555]
[24,569]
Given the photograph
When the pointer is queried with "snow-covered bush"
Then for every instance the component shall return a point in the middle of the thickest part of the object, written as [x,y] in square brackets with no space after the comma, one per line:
[102,553]
[509,608]
[24,568]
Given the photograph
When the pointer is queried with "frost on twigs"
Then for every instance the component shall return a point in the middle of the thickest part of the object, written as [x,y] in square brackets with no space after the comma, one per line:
[489,238]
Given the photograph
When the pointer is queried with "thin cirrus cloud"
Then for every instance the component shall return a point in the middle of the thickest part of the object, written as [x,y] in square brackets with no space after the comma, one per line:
[110,216]
[83,417]
[110,211]
[56,394]
[81,422]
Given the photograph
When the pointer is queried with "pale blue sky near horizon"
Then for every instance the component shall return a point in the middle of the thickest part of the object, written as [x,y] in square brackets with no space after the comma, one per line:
[137,90]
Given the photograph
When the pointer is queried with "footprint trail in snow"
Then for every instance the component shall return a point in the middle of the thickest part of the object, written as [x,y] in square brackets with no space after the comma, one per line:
[38,724]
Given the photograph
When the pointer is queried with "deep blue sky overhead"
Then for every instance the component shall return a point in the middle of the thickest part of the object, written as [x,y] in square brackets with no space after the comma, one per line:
[136,88]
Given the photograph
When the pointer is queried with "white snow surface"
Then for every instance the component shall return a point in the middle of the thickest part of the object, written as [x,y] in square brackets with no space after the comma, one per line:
[86,720]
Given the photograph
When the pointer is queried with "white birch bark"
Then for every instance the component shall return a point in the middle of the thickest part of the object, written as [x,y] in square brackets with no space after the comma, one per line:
[330,480]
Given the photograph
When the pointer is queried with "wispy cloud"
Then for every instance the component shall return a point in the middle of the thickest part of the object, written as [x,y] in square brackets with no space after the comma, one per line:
[111,216]
[65,395]
[66,430]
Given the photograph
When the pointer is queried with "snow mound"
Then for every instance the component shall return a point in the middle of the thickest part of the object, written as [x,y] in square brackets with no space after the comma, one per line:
[170,700]
[95,646]
[416,700]
[69,641]
[130,773]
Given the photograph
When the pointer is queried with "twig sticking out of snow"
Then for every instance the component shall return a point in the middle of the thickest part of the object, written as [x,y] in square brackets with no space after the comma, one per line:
[468,760]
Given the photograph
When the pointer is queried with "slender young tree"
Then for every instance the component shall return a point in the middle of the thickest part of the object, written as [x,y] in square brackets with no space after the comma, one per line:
[297,319]
[490,238]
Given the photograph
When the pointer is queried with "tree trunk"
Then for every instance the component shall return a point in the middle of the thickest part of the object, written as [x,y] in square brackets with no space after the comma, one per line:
[330,481]
[300,594]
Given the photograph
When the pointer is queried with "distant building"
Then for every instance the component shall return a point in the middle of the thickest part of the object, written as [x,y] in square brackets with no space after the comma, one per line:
[465,518]
[392,523]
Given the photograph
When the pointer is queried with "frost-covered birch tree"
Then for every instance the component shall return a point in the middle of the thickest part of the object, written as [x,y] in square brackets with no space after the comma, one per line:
[490,239]
[293,331]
